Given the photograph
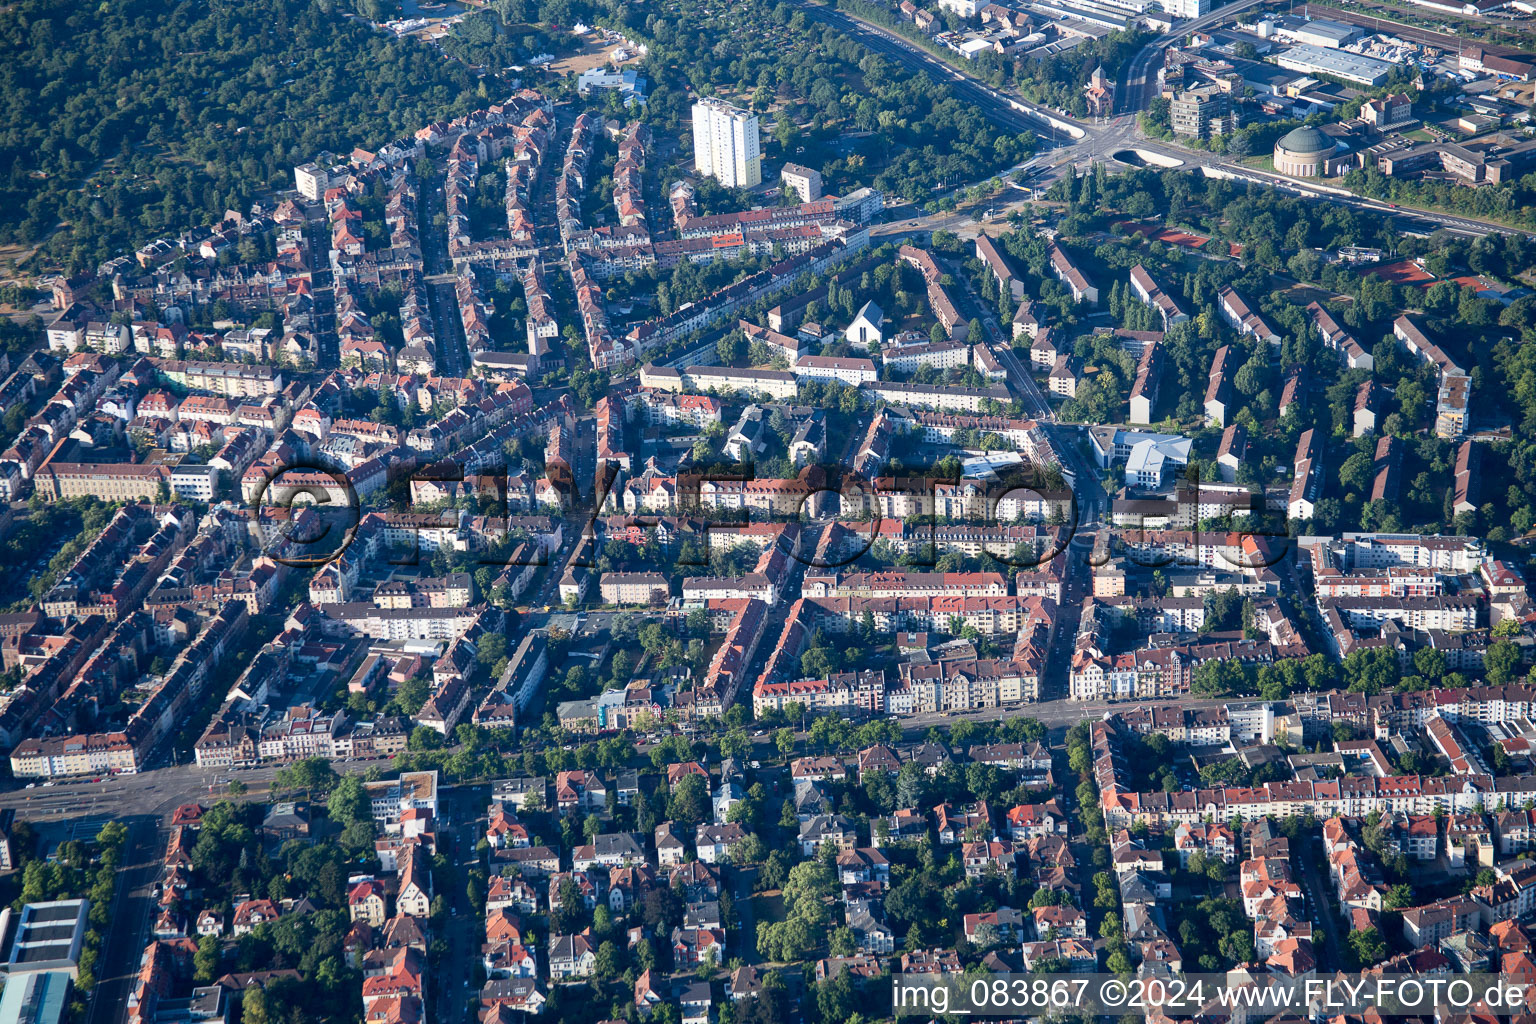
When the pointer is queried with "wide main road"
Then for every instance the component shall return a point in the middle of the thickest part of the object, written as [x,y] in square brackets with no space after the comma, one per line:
[1100,141]
[156,794]
[1138,81]
[1408,218]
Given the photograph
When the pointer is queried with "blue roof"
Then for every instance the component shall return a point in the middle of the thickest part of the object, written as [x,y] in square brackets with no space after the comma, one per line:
[36,998]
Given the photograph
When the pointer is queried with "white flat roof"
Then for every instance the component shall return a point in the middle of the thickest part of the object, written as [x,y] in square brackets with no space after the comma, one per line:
[1353,67]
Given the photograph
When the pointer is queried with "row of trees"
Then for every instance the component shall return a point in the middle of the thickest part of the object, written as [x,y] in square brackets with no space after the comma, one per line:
[1369,671]
[1510,203]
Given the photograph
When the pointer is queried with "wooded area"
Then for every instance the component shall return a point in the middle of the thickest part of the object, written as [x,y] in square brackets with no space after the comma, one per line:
[125,121]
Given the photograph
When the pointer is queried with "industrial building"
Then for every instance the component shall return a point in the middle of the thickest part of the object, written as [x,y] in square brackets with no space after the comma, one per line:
[37,998]
[49,937]
[1340,64]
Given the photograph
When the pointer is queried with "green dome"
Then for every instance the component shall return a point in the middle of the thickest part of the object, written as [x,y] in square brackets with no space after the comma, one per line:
[1305,141]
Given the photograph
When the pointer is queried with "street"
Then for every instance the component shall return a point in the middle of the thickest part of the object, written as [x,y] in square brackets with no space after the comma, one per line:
[456,842]
[323,294]
[156,794]
[447,330]
[123,943]
[1319,901]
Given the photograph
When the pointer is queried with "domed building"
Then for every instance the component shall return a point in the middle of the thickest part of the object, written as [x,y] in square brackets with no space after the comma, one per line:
[1305,152]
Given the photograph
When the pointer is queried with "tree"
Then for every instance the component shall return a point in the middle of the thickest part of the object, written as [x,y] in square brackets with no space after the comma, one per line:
[749,850]
[818,661]
[735,743]
[1252,376]
[1368,946]
[653,639]
[1238,946]
[253,1006]
[1399,897]
[785,131]
[348,803]
[607,965]
[112,836]
[491,648]
[1501,662]
[784,740]
[805,893]
[1219,678]
[569,912]
[1371,671]
[1107,896]
[312,775]
[1429,663]
[731,348]
[205,962]
[1028,730]
[771,1005]
[836,999]
[413,693]
[662,909]
[358,837]
[689,803]
[424,737]
[1356,473]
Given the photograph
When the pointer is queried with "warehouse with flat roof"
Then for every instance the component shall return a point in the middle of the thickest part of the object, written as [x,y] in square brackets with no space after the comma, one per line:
[37,998]
[1341,64]
[1321,32]
[49,937]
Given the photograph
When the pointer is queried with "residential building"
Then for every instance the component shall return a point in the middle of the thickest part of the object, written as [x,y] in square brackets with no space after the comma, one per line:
[1203,112]
[804,182]
[726,145]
